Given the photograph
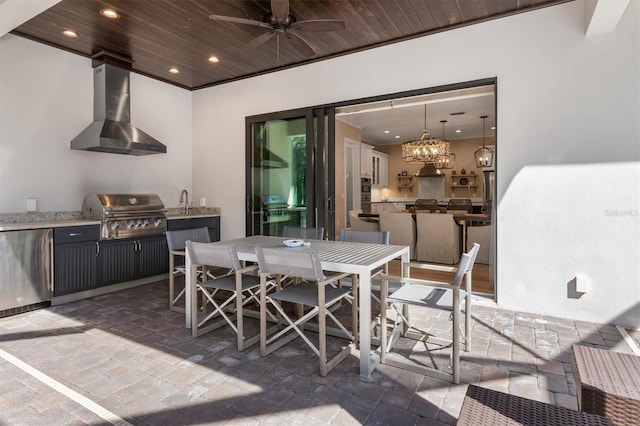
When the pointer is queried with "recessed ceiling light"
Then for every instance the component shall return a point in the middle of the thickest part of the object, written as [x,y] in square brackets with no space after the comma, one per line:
[70,33]
[386,131]
[109,13]
[214,59]
[397,137]
[493,128]
[458,131]
[174,70]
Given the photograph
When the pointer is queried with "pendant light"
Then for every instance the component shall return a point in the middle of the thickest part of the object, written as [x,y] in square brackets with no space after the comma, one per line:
[447,160]
[427,149]
[484,155]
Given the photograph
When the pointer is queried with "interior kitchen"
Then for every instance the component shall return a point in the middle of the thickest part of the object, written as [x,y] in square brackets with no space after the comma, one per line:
[455,117]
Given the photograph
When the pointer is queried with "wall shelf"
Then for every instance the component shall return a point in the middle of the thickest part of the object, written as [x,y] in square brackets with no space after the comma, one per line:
[467,182]
[405,182]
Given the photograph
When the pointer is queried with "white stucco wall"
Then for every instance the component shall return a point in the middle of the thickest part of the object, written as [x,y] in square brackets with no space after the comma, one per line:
[46,99]
[568,137]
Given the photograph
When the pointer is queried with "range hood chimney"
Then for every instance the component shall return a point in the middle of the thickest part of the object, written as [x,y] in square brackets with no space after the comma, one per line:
[111,130]
[429,170]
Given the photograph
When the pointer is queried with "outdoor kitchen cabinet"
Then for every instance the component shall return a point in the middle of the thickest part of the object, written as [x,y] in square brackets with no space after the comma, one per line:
[212,223]
[133,258]
[75,259]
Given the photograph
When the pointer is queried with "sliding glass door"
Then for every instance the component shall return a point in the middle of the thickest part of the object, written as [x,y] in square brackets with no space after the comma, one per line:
[289,172]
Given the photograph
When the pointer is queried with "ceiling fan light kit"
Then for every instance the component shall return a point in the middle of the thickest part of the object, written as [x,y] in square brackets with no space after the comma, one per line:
[280,22]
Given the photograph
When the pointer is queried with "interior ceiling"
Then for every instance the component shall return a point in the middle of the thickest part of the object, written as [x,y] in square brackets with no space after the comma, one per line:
[161,34]
[405,117]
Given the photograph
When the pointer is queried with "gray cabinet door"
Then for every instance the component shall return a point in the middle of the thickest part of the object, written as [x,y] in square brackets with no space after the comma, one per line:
[75,267]
[117,261]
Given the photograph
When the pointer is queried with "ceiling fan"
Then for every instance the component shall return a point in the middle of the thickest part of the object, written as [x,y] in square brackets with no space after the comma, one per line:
[280,22]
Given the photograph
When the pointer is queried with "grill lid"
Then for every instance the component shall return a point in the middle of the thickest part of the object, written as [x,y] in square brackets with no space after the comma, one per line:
[99,206]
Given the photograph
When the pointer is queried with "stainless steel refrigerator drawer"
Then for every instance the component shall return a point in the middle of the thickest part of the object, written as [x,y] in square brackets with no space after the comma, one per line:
[25,267]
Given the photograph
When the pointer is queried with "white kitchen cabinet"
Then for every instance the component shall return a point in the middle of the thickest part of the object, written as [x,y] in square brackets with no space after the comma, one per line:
[380,169]
[366,161]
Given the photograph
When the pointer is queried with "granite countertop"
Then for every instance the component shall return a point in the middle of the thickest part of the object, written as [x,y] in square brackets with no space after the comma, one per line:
[39,220]
[177,212]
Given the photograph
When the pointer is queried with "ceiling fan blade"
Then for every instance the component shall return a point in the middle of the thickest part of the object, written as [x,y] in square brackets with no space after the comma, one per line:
[320,25]
[260,40]
[239,21]
[300,44]
[280,10]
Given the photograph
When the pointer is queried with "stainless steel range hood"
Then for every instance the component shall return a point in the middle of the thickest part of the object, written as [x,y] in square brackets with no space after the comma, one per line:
[111,130]
[429,170]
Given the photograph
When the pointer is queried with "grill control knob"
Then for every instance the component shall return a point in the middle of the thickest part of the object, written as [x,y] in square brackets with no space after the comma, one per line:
[138,223]
[157,222]
[115,225]
[145,223]
[130,224]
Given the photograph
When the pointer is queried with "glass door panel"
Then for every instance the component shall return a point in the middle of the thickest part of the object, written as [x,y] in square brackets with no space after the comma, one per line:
[288,161]
[277,174]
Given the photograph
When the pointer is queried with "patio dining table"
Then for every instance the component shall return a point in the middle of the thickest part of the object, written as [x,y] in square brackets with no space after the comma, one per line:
[336,256]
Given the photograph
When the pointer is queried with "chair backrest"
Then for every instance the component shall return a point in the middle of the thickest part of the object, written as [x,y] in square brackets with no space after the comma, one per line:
[401,227]
[176,240]
[430,204]
[222,255]
[358,224]
[460,204]
[437,238]
[301,264]
[466,264]
[308,233]
[373,237]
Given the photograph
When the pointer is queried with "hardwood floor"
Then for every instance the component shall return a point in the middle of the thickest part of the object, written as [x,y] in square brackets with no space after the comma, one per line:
[480,276]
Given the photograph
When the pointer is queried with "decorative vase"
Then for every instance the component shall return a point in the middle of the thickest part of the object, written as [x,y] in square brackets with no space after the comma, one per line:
[463,171]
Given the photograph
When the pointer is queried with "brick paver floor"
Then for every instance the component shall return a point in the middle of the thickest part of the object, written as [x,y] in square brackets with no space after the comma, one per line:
[127,353]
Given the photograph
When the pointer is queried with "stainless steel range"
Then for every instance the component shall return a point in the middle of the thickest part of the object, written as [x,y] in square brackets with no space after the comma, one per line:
[126,215]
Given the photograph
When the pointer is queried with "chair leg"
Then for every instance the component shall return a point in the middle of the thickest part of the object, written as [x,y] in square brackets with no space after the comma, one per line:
[384,287]
[354,307]
[172,268]
[455,344]
[467,312]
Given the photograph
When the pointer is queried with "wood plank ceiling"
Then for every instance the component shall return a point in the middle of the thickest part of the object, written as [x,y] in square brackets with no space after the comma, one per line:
[161,34]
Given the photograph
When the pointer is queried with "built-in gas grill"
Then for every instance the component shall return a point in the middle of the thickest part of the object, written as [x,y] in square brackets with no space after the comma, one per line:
[275,209]
[126,215]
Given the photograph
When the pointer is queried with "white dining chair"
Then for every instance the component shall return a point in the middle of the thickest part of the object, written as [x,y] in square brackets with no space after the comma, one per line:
[402,229]
[437,238]
[176,243]
[428,294]
[315,292]
[358,224]
[228,294]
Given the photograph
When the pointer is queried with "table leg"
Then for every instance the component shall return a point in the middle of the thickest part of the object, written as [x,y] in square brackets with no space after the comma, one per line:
[190,294]
[364,290]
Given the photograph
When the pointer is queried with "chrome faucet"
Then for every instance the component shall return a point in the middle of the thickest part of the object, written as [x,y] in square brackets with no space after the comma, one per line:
[184,198]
